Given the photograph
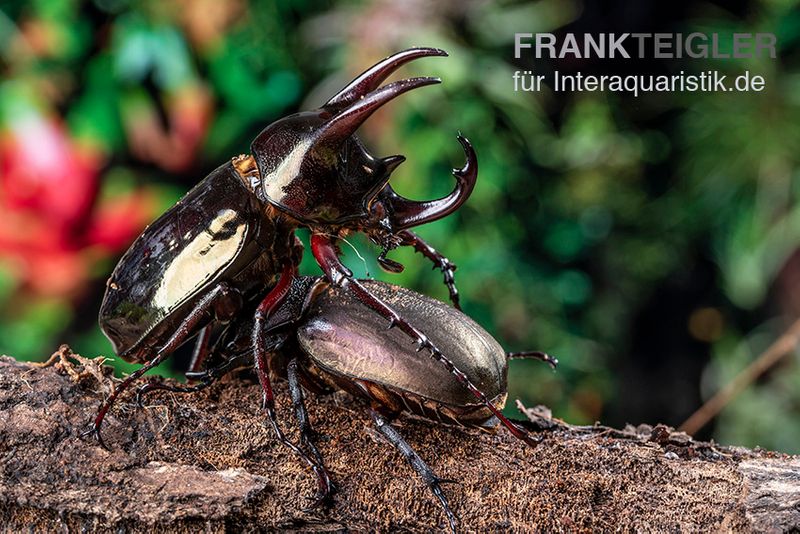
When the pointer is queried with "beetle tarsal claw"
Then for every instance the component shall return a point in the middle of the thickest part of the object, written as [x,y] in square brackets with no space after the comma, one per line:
[95,431]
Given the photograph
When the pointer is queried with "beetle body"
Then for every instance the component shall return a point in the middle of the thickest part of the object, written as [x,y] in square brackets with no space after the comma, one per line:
[216,240]
[345,345]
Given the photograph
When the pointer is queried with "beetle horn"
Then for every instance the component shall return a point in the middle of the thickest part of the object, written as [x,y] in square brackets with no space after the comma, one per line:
[405,213]
[370,79]
[344,125]
[392,162]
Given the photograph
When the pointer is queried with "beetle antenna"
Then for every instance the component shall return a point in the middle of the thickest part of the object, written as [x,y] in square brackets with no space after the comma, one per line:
[360,257]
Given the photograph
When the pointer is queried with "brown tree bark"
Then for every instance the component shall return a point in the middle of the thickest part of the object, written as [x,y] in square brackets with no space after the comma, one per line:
[208,462]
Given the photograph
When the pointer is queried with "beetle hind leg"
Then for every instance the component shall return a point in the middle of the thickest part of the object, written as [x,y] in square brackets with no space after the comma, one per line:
[94,429]
[223,300]
[307,433]
[418,464]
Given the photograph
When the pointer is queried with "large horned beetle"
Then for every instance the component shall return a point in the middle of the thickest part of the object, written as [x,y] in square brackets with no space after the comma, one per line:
[321,339]
[226,254]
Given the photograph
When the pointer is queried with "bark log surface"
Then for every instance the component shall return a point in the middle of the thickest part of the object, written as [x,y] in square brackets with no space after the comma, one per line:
[207,461]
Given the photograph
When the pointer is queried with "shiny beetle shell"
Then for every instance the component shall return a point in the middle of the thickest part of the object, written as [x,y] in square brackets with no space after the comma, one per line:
[216,233]
[349,342]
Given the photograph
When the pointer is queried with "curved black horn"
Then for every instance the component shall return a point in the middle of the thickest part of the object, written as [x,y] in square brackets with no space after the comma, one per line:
[405,213]
[343,125]
[370,79]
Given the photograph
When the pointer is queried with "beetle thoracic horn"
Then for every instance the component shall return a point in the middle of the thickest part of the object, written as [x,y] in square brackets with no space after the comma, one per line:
[343,125]
[405,213]
[392,162]
[370,79]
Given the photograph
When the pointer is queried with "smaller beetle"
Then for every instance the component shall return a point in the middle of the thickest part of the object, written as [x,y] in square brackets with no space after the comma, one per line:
[323,338]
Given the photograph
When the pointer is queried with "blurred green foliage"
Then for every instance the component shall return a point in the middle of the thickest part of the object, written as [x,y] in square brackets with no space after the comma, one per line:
[588,205]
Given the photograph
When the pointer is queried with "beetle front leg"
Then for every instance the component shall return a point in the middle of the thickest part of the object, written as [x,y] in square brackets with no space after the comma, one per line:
[534,355]
[441,262]
[327,256]
[431,480]
[262,350]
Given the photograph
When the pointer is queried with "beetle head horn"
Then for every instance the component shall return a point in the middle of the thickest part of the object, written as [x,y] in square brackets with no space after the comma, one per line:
[404,213]
[314,167]
[344,125]
[373,77]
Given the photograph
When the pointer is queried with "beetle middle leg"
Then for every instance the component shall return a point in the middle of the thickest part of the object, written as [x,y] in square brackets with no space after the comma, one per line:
[307,433]
[203,378]
[431,480]
[262,351]
[327,256]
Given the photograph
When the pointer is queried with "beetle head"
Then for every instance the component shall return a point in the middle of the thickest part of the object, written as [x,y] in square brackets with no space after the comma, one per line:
[314,167]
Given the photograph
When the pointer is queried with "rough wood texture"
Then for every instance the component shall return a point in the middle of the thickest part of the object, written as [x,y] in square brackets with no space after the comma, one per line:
[207,462]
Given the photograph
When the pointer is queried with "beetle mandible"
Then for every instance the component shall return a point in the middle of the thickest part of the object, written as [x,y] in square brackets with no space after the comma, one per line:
[230,241]
[322,339]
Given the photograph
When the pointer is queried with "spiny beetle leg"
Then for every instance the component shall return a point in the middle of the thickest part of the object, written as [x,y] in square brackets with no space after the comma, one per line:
[441,262]
[419,465]
[535,355]
[306,431]
[268,306]
[326,254]
[109,402]
[215,373]
[268,404]
[203,312]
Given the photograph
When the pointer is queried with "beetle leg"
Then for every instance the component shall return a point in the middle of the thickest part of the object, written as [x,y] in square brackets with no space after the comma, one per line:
[200,349]
[267,307]
[306,431]
[326,254]
[204,311]
[204,378]
[431,480]
[534,354]
[447,267]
